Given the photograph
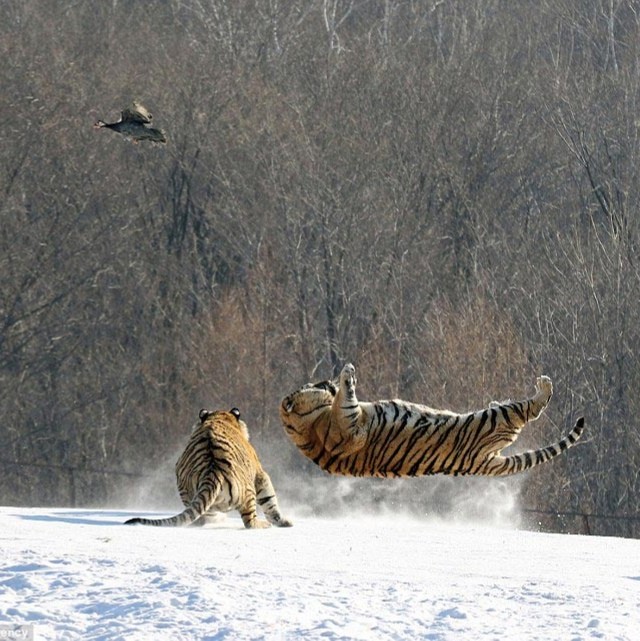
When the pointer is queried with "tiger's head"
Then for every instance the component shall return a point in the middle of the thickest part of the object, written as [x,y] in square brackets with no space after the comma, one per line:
[306,405]
[231,417]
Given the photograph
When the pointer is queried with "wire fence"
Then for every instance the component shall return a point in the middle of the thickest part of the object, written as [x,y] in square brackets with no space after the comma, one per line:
[586,522]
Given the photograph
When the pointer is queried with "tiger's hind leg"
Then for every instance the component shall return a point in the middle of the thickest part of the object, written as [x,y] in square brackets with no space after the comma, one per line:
[249,514]
[519,413]
[536,405]
[267,500]
[509,417]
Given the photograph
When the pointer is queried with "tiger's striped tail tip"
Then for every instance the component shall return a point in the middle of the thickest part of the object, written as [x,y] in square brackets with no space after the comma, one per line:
[134,521]
[576,432]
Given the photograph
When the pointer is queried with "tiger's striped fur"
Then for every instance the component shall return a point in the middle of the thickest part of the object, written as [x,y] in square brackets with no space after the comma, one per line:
[397,439]
[219,471]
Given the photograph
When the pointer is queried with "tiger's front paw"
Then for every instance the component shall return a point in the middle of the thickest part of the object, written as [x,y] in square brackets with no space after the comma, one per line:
[348,376]
[544,387]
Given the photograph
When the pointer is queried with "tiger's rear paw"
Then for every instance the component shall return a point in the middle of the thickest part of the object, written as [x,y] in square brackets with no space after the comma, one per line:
[544,387]
[284,523]
[257,524]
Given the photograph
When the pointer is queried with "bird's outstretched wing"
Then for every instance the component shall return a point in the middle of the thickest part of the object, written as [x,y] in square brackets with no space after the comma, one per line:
[137,113]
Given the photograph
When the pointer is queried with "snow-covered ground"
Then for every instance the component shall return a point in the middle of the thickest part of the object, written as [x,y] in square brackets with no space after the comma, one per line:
[80,574]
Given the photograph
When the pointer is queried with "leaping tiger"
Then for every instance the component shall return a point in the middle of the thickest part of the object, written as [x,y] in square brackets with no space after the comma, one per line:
[395,438]
[220,471]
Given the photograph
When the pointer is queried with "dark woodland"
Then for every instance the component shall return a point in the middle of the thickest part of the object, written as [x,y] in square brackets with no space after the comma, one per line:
[444,193]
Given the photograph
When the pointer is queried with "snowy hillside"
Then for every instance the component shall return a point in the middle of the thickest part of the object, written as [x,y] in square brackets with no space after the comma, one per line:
[80,574]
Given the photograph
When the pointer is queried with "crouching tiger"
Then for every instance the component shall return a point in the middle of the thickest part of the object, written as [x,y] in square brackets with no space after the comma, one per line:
[394,438]
[220,471]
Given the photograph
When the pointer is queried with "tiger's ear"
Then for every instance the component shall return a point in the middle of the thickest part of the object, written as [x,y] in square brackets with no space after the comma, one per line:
[204,415]
[236,412]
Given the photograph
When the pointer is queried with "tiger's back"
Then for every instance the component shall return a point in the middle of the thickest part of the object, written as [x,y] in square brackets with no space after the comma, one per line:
[216,446]
[219,471]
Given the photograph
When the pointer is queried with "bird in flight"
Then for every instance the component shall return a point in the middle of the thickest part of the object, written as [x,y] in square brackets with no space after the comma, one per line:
[135,123]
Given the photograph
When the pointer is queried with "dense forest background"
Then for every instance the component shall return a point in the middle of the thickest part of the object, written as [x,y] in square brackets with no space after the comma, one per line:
[443,192]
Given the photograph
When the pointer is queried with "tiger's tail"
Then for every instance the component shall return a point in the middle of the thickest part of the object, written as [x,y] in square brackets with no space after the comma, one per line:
[200,504]
[506,465]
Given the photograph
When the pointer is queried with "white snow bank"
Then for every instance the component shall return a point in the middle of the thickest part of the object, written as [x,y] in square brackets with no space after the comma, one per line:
[80,574]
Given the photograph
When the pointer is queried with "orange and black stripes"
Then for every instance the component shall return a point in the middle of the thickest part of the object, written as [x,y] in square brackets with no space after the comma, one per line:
[219,471]
[399,439]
